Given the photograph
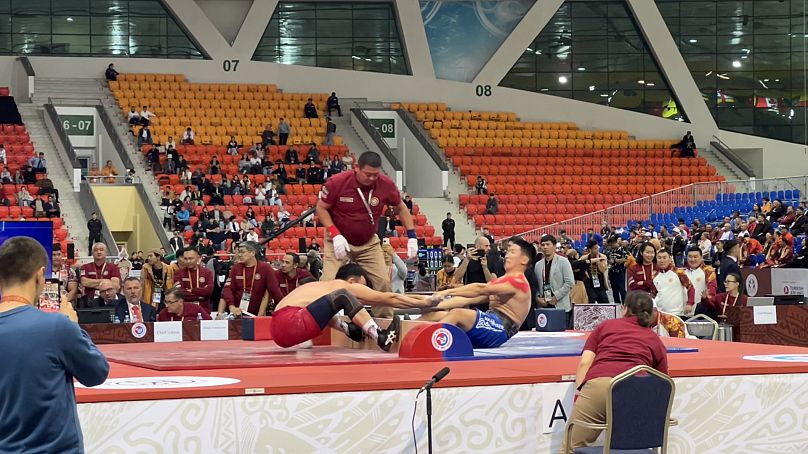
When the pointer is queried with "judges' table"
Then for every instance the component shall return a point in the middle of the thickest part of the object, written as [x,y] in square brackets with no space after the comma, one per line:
[191,330]
[791,327]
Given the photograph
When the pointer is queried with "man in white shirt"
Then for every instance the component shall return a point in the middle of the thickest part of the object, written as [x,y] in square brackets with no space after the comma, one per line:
[146,116]
[3,158]
[675,294]
[701,275]
[134,117]
[726,232]
[188,136]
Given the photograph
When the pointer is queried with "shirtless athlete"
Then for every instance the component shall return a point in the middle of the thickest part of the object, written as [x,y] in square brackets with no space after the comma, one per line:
[509,296]
[305,312]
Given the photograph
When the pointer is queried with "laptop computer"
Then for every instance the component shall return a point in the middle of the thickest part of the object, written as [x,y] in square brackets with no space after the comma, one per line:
[96,315]
[760,301]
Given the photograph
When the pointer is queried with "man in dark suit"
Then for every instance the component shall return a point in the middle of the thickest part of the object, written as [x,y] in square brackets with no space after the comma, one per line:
[729,263]
[133,307]
[799,226]
[107,296]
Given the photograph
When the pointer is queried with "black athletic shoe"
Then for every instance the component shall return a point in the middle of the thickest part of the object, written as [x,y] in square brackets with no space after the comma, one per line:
[389,336]
[355,333]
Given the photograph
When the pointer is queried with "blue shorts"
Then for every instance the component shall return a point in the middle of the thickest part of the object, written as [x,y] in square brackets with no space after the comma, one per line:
[488,331]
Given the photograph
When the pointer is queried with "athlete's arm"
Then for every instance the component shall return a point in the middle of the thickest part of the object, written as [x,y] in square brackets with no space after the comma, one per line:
[404,216]
[479,289]
[458,301]
[373,298]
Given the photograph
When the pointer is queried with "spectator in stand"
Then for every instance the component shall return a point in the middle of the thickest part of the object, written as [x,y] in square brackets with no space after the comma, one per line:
[182,218]
[252,286]
[268,224]
[755,211]
[177,310]
[39,206]
[28,175]
[448,227]
[110,172]
[146,116]
[705,245]
[687,146]
[196,281]
[750,247]
[605,230]
[154,159]
[6,177]
[187,136]
[313,156]
[41,353]
[617,257]
[330,131]
[283,131]
[232,146]
[613,348]
[396,268]
[408,202]
[290,273]
[92,273]
[111,73]
[314,175]
[762,227]
[52,208]
[290,157]
[24,198]
[475,267]
[144,136]
[729,263]
[641,275]
[38,163]
[133,307]
[267,136]
[3,158]
[591,235]
[233,230]
[310,110]
[492,205]
[799,226]
[133,116]
[780,254]
[333,104]
[481,186]
[789,217]
[726,232]
[445,276]
[255,165]
[300,175]
[778,211]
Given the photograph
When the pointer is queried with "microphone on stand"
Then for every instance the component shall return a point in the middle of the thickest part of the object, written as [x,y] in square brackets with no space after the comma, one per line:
[435,378]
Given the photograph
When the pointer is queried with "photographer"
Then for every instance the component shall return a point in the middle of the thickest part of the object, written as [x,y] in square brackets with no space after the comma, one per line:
[475,267]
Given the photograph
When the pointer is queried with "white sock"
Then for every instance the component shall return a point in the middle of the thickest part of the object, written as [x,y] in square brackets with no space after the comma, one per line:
[343,326]
[371,329]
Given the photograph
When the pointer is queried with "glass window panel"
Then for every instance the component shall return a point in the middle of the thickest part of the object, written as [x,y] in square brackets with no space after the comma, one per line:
[334,46]
[739,44]
[520,81]
[592,62]
[5,23]
[774,43]
[588,44]
[147,26]
[595,26]
[335,61]
[5,44]
[698,9]
[772,61]
[110,26]
[112,7]
[554,63]
[146,46]
[109,45]
[146,8]
[333,11]
[31,24]
[298,28]
[5,6]
[71,44]
[71,25]
[71,7]
[553,82]
[30,43]
[584,79]
[372,12]
[626,62]
[30,7]
[337,27]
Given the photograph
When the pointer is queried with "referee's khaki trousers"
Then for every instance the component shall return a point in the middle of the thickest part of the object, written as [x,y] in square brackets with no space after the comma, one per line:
[590,407]
[370,257]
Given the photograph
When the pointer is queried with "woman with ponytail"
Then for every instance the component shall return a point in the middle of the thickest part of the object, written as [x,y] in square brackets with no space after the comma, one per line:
[614,347]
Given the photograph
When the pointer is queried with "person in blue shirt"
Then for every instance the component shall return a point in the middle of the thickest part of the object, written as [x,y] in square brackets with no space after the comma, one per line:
[41,353]
[183,218]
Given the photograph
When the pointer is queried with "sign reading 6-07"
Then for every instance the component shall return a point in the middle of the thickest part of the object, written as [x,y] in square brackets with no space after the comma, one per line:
[78,125]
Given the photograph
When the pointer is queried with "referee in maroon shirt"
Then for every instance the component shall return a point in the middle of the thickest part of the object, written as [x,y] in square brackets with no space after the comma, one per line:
[349,208]
[614,347]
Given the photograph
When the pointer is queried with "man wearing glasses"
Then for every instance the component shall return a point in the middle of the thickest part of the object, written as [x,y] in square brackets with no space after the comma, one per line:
[177,310]
[251,284]
[349,207]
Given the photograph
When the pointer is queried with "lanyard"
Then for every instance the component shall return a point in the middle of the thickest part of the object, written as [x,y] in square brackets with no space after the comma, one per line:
[365,202]
[244,277]
[103,267]
[191,281]
[726,299]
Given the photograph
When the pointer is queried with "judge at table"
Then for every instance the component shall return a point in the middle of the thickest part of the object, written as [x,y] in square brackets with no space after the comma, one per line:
[177,310]
[717,306]
[133,306]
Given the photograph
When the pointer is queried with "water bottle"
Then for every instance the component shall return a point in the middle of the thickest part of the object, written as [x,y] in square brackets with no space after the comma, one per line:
[198,316]
[115,319]
[112,317]
[126,318]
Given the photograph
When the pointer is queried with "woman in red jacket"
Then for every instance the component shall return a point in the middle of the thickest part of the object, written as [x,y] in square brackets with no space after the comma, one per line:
[716,307]
[641,275]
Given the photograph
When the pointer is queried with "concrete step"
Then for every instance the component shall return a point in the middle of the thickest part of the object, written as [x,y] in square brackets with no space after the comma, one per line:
[435,209]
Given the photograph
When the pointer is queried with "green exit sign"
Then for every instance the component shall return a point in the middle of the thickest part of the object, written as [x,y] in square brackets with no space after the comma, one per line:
[385,126]
[78,125]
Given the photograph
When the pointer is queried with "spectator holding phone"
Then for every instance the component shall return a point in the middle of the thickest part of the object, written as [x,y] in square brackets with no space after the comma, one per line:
[41,353]
[474,267]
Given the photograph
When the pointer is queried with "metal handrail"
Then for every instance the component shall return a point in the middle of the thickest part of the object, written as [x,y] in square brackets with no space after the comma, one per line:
[113,136]
[664,202]
[420,134]
[726,151]
[377,137]
[27,66]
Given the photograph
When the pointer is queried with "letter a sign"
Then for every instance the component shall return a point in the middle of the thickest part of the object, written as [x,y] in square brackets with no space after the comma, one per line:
[556,406]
